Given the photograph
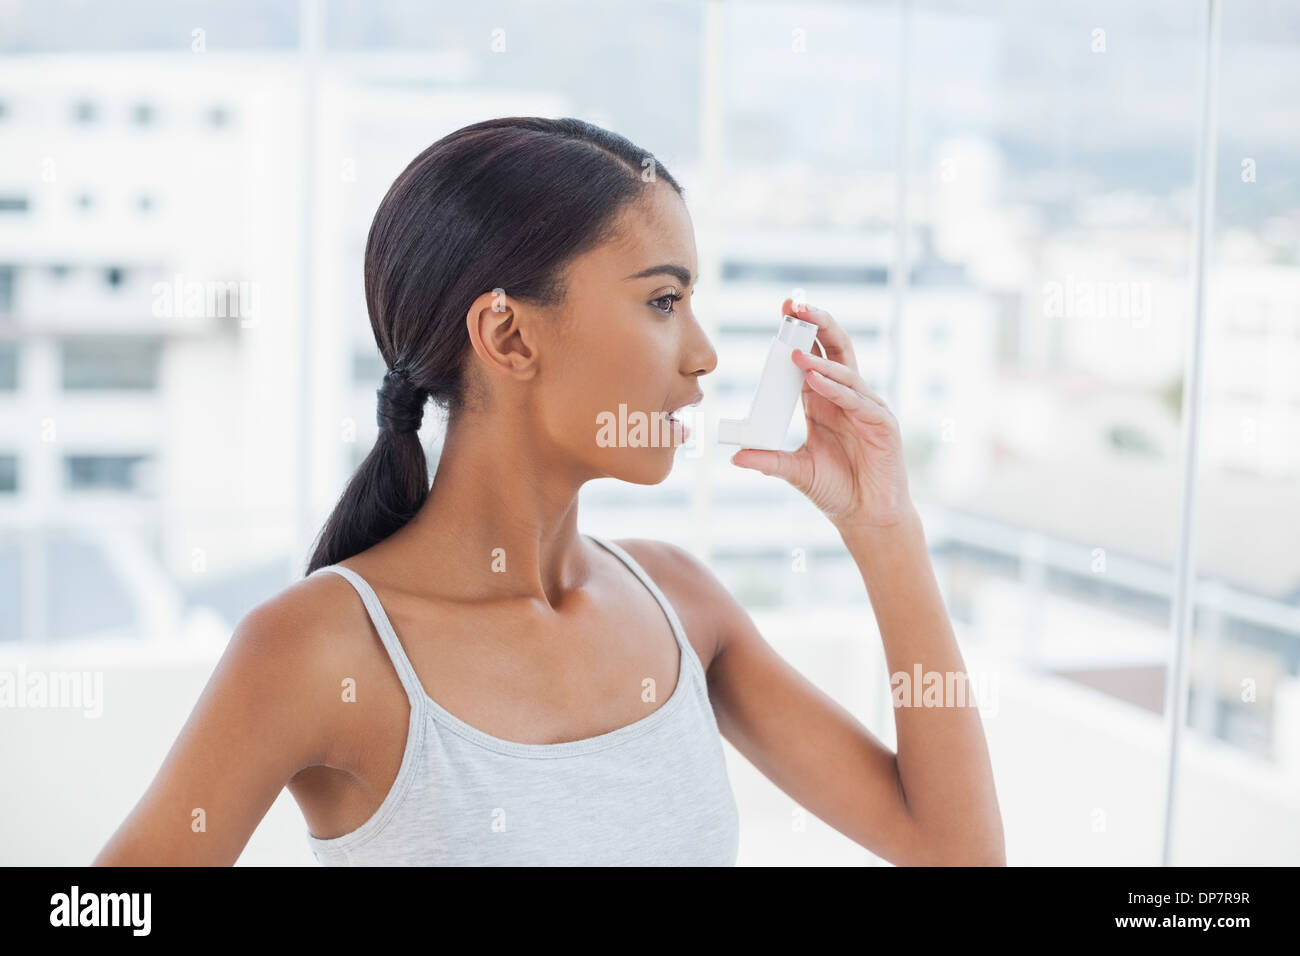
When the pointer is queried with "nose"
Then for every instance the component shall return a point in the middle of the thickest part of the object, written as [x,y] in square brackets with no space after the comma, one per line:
[700,356]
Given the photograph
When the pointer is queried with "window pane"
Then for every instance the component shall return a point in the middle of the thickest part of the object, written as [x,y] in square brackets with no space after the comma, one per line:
[804,203]
[7,274]
[1237,803]
[11,622]
[1051,178]
[117,362]
[107,472]
[8,366]
[798,202]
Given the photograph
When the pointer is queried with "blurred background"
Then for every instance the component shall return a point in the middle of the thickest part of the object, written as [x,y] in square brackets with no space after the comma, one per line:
[1000,201]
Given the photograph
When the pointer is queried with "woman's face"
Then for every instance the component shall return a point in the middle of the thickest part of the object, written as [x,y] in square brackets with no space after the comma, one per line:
[627,349]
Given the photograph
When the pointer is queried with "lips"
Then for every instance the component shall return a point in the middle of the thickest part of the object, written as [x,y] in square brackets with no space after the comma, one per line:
[682,431]
[694,400]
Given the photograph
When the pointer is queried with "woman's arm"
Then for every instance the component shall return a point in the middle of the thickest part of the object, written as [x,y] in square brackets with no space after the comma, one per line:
[943,761]
[933,801]
[250,732]
[817,752]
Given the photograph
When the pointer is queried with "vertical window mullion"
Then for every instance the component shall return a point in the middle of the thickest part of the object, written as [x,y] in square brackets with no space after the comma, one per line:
[1183,604]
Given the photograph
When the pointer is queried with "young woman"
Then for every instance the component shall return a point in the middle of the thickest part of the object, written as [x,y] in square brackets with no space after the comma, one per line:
[465,678]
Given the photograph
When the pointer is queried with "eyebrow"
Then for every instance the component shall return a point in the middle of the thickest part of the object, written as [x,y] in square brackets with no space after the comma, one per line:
[680,273]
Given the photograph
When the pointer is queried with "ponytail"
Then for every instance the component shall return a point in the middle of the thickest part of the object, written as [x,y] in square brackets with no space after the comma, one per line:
[389,486]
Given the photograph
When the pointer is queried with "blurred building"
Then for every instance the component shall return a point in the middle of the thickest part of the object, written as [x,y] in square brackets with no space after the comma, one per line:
[149,233]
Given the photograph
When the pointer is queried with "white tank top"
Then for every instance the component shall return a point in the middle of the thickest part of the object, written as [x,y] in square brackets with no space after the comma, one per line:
[652,793]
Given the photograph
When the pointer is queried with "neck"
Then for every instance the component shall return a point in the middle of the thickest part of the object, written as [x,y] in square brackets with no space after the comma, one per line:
[500,522]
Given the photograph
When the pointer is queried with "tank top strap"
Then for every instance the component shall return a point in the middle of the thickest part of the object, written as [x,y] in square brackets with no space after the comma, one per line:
[406,673]
[679,632]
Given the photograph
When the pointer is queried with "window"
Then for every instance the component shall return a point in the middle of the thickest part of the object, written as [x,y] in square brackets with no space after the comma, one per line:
[106,472]
[1033,180]
[8,473]
[368,367]
[1048,158]
[1243,646]
[789,273]
[8,366]
[111,362]
[84,111]
[11,203]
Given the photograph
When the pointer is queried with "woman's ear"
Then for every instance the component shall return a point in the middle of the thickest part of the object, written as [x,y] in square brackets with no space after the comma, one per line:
[501,333]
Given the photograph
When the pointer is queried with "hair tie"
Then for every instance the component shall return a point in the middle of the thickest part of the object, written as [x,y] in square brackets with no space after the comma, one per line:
[401,403]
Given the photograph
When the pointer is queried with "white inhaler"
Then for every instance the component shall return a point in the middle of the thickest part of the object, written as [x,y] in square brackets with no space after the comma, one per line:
[778,391]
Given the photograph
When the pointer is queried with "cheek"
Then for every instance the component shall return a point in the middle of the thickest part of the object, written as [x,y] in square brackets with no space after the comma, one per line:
[586,384]
[629,363]
[619,366]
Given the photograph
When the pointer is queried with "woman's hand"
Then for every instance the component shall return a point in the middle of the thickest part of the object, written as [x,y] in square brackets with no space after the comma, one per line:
[851,464]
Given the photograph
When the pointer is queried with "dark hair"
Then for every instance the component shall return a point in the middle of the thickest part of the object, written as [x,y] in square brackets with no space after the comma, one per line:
[502,204]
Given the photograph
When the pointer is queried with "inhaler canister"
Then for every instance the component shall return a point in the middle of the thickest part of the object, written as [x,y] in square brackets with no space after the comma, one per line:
[777,394]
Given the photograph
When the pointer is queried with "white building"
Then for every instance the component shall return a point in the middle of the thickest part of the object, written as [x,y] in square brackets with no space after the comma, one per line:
[149,315]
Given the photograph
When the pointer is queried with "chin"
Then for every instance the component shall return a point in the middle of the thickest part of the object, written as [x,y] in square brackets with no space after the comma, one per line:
[642,466]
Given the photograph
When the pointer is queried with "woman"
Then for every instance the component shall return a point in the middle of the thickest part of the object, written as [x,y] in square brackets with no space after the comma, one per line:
[463,677]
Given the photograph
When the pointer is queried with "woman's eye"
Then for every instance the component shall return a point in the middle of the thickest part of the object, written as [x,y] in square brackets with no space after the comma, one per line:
[672,297]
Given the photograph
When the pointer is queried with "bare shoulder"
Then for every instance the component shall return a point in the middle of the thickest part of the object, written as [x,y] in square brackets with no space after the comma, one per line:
[703,603]
[301,641]
[301,625]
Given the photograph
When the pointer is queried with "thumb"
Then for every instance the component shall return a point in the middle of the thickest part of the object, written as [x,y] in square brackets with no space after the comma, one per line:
[774,463]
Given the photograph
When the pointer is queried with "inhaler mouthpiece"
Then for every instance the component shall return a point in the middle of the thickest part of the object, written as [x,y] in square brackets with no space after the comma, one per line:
[777,393]
[729,431]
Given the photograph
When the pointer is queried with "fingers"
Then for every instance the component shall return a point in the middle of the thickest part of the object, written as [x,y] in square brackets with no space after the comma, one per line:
[854,402]
[835,342]
[834,371]
[777,464]
[837,373]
